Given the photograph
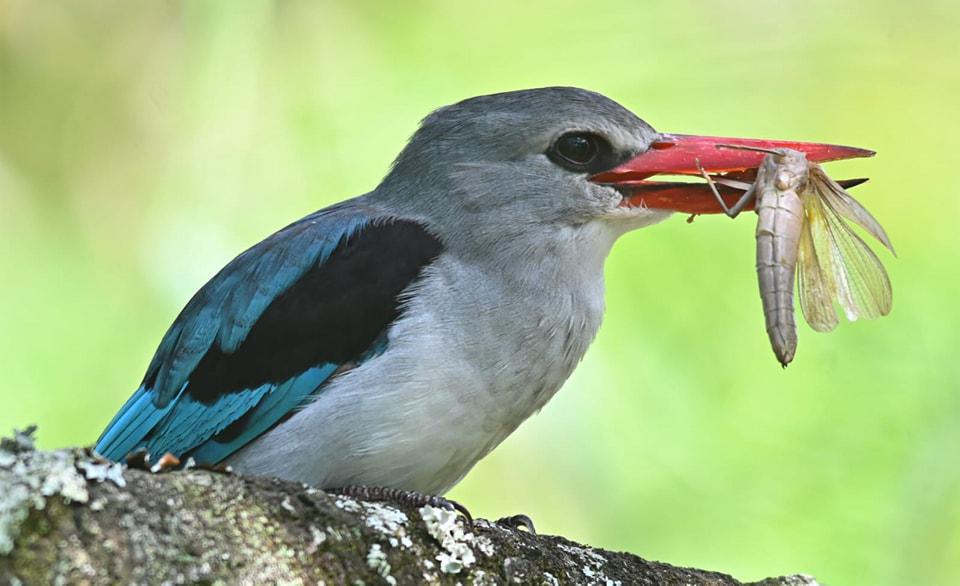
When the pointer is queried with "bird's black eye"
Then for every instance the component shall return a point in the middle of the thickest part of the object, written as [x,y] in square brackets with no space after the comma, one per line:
[581,152]
[579,149]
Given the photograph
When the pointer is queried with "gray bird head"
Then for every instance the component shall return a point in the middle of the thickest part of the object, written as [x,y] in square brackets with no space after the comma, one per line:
[521,161]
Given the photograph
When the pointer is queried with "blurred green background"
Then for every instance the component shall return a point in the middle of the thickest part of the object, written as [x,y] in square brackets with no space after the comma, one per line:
[143,145]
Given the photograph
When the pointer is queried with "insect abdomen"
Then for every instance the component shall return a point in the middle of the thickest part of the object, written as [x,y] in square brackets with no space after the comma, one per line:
[778,237]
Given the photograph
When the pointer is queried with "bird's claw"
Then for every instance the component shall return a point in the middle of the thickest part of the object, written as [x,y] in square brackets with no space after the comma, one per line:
[518,522]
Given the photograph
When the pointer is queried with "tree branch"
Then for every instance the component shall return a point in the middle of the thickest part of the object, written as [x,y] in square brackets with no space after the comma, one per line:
[66,517]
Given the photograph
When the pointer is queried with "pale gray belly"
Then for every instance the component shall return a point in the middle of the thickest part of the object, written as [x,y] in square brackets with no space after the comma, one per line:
[440,398]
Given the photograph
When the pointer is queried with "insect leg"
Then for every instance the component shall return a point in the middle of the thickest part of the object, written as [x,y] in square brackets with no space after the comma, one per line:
[734,211]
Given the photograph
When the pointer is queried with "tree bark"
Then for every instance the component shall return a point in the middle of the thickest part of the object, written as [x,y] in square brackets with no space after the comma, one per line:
[67,517]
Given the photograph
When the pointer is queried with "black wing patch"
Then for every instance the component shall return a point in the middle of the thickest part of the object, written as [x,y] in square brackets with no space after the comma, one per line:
[332,314]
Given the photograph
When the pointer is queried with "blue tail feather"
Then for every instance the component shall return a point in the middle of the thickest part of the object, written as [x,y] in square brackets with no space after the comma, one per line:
[286,397]
[138,416]
[192,422]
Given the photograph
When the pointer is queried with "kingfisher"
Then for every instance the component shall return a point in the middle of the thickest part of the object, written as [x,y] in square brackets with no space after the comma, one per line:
[394,339]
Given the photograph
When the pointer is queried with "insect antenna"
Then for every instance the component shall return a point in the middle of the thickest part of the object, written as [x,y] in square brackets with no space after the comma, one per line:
[748,148]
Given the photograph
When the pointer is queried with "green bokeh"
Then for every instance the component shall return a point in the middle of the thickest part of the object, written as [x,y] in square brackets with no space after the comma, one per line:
[143,145]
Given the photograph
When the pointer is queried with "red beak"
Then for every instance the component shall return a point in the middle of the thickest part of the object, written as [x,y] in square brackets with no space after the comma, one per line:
[679,154]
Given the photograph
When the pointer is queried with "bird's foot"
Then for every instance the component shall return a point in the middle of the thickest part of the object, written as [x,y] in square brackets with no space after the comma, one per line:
[518,522]
[410,498]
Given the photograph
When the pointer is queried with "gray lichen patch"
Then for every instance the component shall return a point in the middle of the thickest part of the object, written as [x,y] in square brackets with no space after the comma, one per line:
[447,528]
[591,564]
[347,504]
[388,521]
[377,560]
[22,441]
[102,471]
[29,478]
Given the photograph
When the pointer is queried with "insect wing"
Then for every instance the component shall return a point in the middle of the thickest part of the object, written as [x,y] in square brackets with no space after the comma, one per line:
[842,203]
[849,270]
[815,285]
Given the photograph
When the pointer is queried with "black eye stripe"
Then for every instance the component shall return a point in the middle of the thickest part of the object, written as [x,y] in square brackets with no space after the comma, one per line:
[583,152]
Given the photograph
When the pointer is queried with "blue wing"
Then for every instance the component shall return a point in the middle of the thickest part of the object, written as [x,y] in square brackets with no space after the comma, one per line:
[266,333]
